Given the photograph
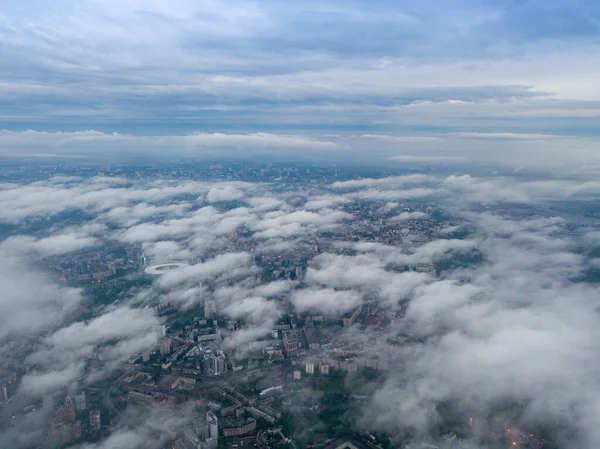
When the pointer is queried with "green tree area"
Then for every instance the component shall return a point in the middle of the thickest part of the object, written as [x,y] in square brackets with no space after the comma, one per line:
[332,409]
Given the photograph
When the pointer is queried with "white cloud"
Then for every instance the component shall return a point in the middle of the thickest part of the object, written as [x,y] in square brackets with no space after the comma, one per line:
[328,301]
[50,246]
[404,216]
[95,143]
[390,181]
[30,301]
[227,193]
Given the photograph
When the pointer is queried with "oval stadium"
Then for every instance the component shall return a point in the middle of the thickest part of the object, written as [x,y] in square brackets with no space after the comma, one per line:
[157,270]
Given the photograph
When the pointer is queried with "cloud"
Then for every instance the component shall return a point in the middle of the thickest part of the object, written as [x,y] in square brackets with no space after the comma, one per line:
[396,181]
[328,301]
[325,202]
[400,138]
[30,300]
[404,216]
[490,335]
[515,325]
[130,215]
[204,79]
[37,384]
[96,144]
[432,159]
[365,273]
[274,289]
[513,136]
[255,309]
[228,265]
[298,222]
[50,246]
[49,198]
[160,252]
[227,193]
[117,334]
[391,195]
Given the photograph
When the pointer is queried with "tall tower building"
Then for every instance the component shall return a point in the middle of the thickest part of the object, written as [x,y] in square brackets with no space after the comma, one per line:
[165,346]
[160,330]
[95,420]
[68,411]
[80,404]
[210,309]
[211,435]
[214,364]
[212,425]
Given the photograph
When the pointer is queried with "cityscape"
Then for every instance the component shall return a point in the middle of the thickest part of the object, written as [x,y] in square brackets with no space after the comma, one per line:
[316,224]
[263,314]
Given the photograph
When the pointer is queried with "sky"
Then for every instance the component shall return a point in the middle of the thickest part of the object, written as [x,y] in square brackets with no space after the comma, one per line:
[504,81]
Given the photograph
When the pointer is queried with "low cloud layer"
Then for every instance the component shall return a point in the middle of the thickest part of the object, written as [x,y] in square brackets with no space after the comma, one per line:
[479,285]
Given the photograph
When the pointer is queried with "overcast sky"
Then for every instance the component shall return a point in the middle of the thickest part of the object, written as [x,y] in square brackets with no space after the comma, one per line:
[467,78]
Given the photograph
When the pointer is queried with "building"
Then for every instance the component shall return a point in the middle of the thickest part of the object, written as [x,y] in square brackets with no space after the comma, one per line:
[297,374]
[80,404]
[270,391]
[165,346]
[65,428]
[209,443]
[183,381]
[235,427]
[68,411]
[347,442]
[349,319]
[146,356]
[211,435]
[310,368]
[160,330]
[189,440]
[210,309]
[291,343]
[214,363]
[312,338]
[256,413]
[4,393]
[95,420]
[135,396]
[203,435]
[324,369]
[66,433]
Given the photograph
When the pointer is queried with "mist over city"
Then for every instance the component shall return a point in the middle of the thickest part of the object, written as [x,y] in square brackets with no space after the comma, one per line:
[307,225]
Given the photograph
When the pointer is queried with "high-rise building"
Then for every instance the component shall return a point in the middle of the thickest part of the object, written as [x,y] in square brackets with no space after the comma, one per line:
[95,420]
[146,356]
[212,425]
[210,443]
[160,330]
[80,404]
[68,411]
[204,435]
[210,309]
[214,364]
[65,429]
[165,346]
[66,433]
[4,393]
[291,343]
[310,368]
